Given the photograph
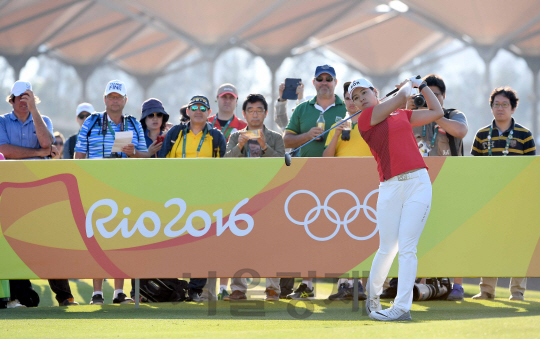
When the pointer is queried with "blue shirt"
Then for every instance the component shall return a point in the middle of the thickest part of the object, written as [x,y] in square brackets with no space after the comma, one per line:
[15,132]
[101,144]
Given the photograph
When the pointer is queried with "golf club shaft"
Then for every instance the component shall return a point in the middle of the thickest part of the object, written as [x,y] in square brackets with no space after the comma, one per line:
[396,89]
[323,133]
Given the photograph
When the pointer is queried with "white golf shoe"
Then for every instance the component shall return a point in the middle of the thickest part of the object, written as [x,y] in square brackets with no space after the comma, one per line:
[391,314]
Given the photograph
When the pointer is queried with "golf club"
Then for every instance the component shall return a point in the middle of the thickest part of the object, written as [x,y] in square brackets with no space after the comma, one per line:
[288,156]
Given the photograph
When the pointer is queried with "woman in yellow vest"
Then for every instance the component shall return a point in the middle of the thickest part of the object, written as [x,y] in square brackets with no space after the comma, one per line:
[355,146]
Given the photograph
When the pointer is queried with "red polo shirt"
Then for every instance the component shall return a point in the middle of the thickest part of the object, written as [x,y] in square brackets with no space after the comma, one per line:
[235,125]
[392,143]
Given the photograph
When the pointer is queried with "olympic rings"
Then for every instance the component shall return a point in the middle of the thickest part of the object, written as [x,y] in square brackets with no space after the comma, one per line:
[332,214]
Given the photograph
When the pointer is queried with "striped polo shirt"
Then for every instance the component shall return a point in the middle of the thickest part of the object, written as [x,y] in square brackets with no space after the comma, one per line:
[98,144]
[522,142]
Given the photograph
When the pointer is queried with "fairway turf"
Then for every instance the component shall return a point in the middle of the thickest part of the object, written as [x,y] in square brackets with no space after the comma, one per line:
[442,319]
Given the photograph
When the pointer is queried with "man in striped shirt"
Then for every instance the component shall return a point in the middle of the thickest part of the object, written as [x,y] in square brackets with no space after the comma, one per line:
[97,134]
[501,138]
[95,141]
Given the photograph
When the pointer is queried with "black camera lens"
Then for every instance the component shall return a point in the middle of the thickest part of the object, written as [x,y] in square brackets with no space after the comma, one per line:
[419,101]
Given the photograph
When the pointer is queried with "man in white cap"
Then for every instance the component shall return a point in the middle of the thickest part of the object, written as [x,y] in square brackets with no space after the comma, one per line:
[83,111]
[97,133]
[95,141]
[25,133]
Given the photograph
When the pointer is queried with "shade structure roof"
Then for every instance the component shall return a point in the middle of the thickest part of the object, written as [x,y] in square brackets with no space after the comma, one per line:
[144,37]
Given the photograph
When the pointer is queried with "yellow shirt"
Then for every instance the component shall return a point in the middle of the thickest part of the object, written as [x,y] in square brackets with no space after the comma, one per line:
[192,143]
[355,147]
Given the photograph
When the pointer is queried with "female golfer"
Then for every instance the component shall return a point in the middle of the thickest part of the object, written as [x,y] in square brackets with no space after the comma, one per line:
[405,189]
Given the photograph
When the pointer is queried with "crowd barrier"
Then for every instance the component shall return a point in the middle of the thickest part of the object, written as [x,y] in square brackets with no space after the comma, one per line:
[145,218]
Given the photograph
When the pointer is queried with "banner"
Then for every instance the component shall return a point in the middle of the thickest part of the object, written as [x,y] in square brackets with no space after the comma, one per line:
[146,218]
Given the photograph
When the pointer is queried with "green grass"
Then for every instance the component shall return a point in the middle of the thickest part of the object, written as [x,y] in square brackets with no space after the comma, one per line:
[439,319]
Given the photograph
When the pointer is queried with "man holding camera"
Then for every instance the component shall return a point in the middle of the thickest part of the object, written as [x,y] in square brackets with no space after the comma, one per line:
[443,137]
[503,137]
[270,143]
[255,141]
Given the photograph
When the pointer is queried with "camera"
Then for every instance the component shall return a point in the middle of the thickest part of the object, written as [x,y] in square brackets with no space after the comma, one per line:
[419,101]
[434,288]
[114,155]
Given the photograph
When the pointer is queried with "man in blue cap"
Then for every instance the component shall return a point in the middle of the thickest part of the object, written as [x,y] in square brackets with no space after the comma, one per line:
[302,128]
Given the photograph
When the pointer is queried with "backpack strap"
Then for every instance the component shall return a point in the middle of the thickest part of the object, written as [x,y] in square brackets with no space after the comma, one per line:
[132,119]
[96,118]
[71,145]
[451,139]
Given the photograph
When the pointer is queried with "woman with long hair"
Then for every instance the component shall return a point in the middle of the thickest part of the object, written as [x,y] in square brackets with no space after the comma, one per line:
[405,189]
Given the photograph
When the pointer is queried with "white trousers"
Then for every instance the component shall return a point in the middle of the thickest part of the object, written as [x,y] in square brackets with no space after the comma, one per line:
[402,211]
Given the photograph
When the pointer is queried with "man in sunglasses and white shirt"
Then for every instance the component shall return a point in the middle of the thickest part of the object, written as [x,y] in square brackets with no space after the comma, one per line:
[302,128]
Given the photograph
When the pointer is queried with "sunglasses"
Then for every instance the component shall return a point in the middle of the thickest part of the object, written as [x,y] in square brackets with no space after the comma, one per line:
[56,143]
[159,115]
[195,107]
[321,79]
[83,116]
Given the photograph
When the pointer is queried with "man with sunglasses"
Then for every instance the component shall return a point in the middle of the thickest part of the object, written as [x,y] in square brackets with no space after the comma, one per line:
[225,120]
[197,138]
[302,128]
[194,139]
[26,134]
[82,112]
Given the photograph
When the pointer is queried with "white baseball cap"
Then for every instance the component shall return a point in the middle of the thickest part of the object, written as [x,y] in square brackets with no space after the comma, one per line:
[363,83]
[19,87]
[85,107]
[116,86]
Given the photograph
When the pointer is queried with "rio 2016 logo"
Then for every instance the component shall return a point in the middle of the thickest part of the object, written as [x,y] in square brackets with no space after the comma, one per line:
[333,215]
[123,227]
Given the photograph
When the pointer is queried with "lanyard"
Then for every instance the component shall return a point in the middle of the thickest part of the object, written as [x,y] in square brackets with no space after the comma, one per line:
[223,129]
[510,136]
[200,143]
[106,123]
[434,135]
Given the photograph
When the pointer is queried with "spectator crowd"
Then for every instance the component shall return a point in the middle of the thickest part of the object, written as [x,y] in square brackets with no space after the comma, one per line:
[25,133]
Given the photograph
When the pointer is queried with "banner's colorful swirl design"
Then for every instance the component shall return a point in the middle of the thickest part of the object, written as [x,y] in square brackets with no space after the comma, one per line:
[171,217]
